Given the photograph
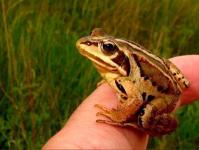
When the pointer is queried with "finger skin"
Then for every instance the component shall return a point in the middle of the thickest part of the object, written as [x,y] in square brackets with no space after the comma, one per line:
[82,132]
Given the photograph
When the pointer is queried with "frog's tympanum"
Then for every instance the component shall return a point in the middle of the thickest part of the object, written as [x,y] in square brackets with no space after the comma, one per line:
[148,87]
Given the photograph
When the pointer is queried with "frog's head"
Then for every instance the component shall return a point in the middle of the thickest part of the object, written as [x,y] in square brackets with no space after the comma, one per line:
[105,52]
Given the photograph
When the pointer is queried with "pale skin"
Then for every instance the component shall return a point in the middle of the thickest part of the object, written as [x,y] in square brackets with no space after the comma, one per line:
[82,132]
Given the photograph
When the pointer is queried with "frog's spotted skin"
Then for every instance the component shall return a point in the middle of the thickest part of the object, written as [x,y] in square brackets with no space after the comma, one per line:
[148,87]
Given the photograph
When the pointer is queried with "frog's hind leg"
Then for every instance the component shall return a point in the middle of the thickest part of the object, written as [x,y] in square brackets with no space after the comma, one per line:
[155,117]
[163,124]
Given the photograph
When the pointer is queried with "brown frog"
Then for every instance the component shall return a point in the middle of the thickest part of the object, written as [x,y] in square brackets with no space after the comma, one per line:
[148,87]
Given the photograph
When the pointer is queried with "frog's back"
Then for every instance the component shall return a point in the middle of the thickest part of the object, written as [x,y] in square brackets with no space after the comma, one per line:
[153,68]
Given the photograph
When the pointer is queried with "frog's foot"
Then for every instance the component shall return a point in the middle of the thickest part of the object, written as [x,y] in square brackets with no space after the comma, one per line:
[104,111]
[115,115]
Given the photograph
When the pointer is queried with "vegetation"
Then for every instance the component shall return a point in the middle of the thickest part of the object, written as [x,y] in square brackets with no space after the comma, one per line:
[43,78]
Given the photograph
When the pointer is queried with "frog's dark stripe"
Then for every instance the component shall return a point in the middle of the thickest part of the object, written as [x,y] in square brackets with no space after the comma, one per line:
[124,97]
[122,61]
[140,114]
[185,84]
[120,87]
[126,65]
[150,98]
[154,83]
[138,64]
[119,59]
[140,121]
[144,96]
[160,88]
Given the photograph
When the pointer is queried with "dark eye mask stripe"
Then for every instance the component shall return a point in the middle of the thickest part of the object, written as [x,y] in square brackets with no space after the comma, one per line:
[122,61]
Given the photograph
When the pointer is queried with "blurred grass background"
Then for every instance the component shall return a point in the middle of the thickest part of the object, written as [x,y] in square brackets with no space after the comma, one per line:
[43,78]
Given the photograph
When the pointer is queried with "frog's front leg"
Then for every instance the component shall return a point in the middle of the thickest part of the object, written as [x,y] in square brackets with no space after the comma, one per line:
[101,82]
[155,117]
[129,104]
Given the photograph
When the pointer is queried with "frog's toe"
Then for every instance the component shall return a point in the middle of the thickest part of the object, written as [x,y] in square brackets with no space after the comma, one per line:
[121,124]
[102,108]
[109,122]
[100,113]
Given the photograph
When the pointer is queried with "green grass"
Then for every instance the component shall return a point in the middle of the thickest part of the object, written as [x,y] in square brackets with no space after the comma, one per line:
[43,78]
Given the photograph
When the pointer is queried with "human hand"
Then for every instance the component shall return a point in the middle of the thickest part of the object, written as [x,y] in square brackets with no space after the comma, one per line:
[82,132]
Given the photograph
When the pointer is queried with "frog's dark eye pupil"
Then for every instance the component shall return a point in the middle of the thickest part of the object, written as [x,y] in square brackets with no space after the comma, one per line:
[109,48]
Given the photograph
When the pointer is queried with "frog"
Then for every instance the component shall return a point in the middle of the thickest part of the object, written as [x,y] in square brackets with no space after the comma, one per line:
[148,87]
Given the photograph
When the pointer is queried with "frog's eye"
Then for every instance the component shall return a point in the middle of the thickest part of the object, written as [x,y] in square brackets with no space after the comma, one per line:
[109,48]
